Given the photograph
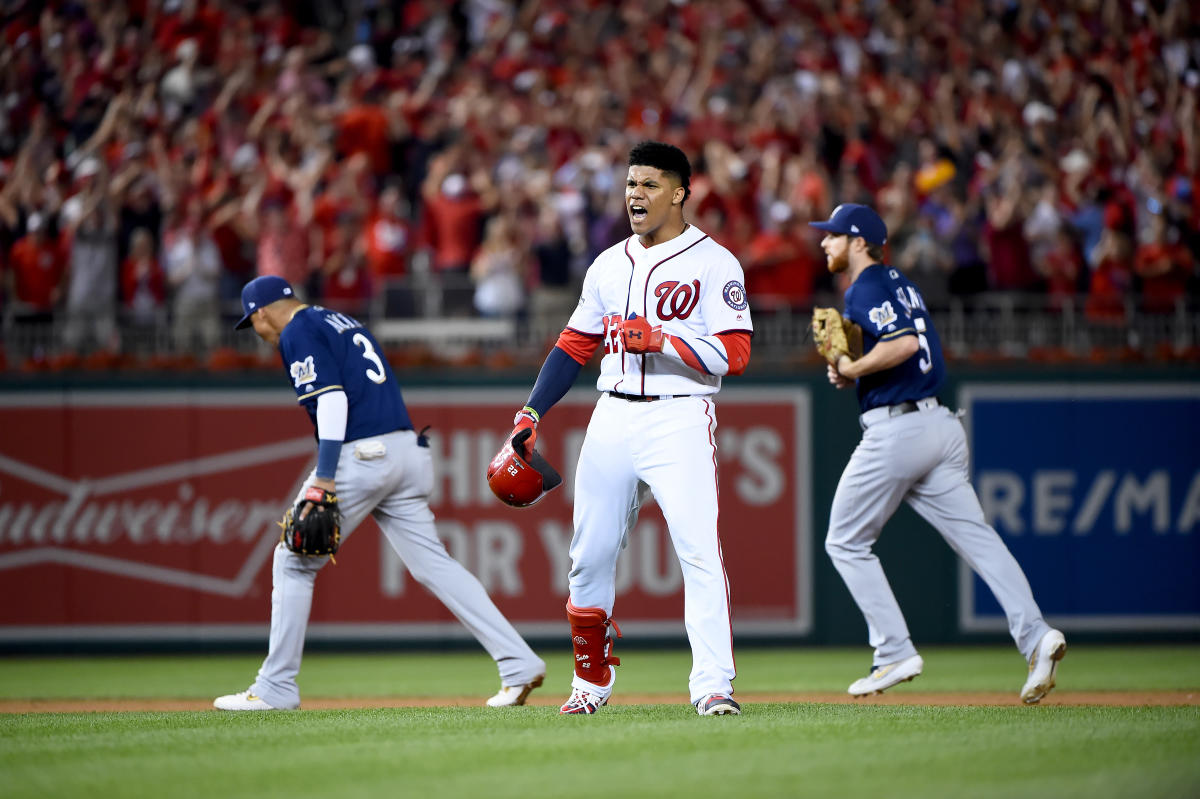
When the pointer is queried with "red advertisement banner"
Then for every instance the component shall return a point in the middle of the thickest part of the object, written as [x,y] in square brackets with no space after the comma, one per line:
[151,515]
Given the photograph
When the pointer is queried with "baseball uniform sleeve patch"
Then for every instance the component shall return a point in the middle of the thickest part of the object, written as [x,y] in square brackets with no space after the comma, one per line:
[303,372]
[735,295]
[883,316]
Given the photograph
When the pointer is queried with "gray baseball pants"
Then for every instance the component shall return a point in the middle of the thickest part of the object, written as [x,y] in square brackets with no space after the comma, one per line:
[920,458]
[391,482]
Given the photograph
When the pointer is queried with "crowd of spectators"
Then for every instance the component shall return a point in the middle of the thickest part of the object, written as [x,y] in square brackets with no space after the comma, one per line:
[156,154]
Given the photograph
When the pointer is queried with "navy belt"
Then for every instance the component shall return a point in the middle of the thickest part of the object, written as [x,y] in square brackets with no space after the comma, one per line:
[881,412]
[644,397]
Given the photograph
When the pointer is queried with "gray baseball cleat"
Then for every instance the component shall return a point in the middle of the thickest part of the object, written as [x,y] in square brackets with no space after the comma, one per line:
[884,677]
[1043,666]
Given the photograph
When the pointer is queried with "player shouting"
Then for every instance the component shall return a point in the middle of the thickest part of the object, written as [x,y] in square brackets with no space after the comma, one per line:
[668,306]
[913,449]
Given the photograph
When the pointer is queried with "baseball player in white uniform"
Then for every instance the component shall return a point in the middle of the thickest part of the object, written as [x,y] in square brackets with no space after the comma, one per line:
[668,306]
[914,450]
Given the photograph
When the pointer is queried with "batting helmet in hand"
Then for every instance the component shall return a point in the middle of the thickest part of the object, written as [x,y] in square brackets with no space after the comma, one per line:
[519,478]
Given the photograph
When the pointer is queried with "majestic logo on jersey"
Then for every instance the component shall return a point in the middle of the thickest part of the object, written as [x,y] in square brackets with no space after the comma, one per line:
[883,315]
[303,372]
[735,295]
[677,300]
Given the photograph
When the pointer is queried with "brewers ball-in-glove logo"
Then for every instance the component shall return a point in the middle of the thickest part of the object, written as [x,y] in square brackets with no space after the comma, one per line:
[735,295]
[303,372]
[882,316]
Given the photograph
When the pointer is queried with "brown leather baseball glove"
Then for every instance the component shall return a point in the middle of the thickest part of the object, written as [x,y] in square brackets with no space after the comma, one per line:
[835,335]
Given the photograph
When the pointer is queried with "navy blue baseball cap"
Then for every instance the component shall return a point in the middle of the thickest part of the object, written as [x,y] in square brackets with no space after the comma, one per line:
[855,220]
[261,292]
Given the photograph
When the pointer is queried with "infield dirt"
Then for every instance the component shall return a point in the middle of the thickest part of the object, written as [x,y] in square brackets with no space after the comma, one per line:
[1102,698]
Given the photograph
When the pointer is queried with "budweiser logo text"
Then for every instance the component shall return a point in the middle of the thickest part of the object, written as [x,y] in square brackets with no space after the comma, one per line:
[82,519]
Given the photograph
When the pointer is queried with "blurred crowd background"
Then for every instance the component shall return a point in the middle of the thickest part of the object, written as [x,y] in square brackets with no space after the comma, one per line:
[449,169]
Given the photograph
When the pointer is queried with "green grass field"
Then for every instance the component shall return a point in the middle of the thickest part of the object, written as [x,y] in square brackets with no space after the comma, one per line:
[661,749]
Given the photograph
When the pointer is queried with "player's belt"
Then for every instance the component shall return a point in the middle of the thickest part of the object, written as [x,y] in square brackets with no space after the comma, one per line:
[645,397]
[876,415]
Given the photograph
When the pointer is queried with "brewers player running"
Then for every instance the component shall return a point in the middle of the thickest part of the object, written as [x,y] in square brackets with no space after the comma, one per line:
[369,454]
[913,449]
[669,309]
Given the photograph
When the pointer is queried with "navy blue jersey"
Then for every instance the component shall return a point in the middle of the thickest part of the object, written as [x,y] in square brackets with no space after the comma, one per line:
[887,305]
[323,351]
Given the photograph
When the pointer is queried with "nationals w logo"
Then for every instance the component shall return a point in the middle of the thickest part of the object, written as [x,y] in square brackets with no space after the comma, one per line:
[677,300]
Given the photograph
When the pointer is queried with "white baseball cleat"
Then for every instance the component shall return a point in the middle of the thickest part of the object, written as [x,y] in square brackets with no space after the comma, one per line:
[718,705]
[1043,666]
[246,700]
[884,677]
[587,701]
[511,695]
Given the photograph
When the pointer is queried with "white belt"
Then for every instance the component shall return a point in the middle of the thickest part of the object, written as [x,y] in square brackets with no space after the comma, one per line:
[877,415]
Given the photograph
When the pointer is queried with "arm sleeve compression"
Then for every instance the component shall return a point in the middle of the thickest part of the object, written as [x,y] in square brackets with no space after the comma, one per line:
[332,411]
[561,368]
[721,354]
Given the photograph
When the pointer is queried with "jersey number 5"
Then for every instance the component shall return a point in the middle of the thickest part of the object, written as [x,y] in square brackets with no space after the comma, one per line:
[926,363]
[378,375]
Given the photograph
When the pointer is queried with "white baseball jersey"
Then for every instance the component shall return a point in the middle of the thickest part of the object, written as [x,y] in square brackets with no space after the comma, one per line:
[690,285]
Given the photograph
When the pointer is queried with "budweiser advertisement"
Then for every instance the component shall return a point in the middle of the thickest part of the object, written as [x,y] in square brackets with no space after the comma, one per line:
[147,516]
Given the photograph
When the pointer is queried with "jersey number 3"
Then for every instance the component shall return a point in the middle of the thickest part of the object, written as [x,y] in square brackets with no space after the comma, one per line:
[379,374]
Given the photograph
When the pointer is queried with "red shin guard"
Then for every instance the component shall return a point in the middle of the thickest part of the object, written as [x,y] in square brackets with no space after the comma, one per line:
[592,643]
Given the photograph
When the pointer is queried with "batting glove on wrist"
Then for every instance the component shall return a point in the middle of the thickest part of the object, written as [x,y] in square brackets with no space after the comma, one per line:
[526,419]
[638,336]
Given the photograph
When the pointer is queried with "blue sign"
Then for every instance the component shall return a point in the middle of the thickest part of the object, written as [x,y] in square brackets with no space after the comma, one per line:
[1096,491]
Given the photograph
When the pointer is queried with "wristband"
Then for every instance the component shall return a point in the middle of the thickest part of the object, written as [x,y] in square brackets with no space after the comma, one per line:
[328,452]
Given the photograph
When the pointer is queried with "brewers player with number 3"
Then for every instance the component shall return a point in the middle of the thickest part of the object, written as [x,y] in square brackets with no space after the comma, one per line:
[668,307]
[913,449]
[382,468]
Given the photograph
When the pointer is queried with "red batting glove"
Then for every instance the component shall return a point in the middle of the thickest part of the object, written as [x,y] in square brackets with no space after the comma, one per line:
[638,336]
[526,419]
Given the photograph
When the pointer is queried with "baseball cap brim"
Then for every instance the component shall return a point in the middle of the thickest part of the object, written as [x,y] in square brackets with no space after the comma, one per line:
[831,227]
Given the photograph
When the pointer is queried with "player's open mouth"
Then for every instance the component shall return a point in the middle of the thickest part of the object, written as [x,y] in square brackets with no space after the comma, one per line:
[637,212]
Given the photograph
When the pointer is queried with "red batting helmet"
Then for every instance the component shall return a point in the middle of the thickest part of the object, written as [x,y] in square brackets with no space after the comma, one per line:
[519,478]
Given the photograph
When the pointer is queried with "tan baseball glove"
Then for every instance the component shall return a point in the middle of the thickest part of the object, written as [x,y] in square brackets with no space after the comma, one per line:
[835,335]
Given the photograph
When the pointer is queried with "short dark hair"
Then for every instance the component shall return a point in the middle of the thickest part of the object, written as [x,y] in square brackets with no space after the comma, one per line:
[666,157]
[876,252]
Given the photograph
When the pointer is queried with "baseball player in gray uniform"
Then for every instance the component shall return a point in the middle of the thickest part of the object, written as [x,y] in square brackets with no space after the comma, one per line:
[668,307]
[369,456]
[913,449]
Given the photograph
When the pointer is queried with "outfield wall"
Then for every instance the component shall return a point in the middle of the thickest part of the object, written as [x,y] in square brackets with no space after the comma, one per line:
[140,513]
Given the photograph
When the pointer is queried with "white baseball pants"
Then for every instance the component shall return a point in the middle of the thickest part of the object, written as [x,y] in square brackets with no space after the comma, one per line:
[670,445]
